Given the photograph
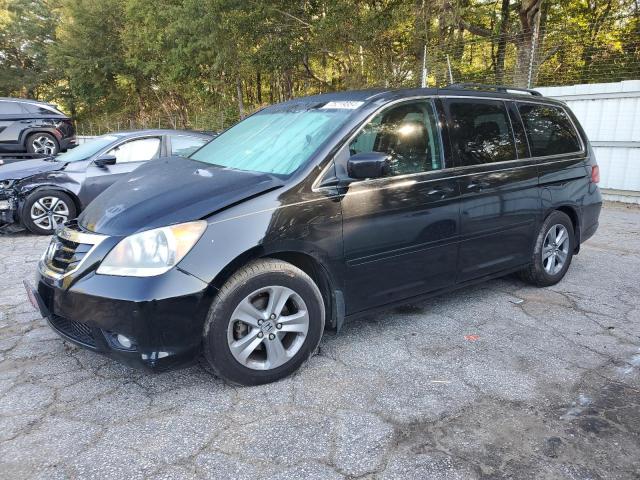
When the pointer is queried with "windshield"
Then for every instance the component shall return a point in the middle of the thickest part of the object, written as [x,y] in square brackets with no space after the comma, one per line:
[277,140]
[85,150]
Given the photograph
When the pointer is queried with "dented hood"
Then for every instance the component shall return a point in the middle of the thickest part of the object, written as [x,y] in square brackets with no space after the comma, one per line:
[169,191]
[27,168]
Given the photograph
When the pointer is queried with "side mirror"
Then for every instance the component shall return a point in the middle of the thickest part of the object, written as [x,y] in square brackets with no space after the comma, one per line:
[368,165]
[104,160]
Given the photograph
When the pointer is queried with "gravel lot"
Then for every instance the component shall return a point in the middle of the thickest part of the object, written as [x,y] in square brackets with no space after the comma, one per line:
[497,381]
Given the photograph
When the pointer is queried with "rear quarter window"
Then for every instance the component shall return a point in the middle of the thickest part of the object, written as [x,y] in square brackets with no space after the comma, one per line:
[549,129]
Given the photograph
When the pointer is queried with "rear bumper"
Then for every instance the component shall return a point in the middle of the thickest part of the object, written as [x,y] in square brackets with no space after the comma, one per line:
[163,316]
[591,214]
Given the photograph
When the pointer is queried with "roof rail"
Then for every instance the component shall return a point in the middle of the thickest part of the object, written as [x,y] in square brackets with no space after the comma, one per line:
[497,88]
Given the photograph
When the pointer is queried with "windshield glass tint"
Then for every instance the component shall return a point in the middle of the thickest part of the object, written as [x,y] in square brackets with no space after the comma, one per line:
[274,141]
[85,150]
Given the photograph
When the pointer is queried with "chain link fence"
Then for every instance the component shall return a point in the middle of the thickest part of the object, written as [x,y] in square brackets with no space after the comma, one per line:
[559,57]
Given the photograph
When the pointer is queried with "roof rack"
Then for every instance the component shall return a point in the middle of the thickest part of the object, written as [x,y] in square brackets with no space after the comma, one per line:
[497,88]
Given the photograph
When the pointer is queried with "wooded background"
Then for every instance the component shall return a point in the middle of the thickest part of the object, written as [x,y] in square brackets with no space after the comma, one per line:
[115,64]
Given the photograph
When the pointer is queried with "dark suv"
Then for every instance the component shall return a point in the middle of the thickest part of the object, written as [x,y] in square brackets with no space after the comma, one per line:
[314,211]
[34,127]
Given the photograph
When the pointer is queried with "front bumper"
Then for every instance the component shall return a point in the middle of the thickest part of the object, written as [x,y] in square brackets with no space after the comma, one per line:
[163,316]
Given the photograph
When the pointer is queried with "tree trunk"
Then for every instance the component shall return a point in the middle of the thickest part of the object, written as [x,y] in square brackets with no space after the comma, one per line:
[502,42]
[259,87]
[528,13]
[240,100]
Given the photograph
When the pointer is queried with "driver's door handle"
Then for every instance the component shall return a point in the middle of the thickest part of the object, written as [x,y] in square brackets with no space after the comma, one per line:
[478,185]
[440,191]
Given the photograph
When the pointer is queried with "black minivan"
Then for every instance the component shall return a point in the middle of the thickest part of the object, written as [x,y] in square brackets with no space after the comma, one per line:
[314,211]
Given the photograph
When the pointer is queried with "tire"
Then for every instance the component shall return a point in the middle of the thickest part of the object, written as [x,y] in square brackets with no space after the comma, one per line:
[253,286]
[550,262]
[42,143]
[44,210]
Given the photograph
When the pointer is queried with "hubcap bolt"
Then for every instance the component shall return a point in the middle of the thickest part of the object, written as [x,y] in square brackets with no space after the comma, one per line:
[260,322]
[279,326]
[273,316]
[260,334]
[271,336]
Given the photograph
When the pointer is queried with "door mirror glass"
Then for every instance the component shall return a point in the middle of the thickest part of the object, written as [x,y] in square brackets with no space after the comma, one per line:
[368,165]
[104,160]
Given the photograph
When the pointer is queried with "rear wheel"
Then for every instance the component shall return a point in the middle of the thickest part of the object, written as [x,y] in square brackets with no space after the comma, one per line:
[45,210]
[553,251]
[42,143]
[265,322]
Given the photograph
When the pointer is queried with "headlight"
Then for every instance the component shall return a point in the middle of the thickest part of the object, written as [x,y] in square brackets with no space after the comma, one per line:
[153,252]
[4,184]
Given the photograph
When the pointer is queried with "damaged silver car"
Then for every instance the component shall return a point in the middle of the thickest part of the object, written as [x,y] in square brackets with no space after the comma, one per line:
[43,193]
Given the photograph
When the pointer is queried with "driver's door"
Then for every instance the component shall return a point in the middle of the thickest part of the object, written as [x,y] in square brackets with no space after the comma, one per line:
[129,155]
[400,232]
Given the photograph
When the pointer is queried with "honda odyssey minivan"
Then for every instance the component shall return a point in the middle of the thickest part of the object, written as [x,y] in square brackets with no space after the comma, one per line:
[315,211]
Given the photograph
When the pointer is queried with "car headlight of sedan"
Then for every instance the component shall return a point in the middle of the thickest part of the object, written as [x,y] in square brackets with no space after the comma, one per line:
[6,184]
[152,252]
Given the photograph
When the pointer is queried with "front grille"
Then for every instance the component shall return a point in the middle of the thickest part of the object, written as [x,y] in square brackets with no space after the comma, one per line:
[75,330]
[68,248]
[66,254]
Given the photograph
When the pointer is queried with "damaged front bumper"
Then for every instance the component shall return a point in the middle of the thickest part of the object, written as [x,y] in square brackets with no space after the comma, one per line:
[8,207]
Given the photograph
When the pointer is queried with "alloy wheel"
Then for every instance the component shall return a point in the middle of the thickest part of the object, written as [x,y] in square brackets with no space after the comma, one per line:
[49,212]
[268,327]
[555,249]
[43,145]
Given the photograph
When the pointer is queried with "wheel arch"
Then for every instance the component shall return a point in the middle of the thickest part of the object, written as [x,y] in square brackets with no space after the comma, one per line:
[572,212]
[25,193]
[29,132]
[311,265]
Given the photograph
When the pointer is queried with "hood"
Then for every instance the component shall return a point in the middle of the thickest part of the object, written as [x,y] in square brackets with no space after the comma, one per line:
[26,168]
[169,191]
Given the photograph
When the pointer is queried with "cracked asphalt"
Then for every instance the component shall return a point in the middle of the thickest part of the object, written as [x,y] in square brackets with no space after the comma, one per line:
[501,380]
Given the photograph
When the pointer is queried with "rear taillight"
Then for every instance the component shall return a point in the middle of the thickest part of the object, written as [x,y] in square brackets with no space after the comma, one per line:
[595,174]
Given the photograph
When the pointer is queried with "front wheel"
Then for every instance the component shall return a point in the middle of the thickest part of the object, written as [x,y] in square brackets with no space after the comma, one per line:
[553,251]
[265,322]
[46,210]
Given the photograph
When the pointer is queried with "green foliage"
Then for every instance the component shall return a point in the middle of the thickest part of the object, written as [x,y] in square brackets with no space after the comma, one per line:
[204,63]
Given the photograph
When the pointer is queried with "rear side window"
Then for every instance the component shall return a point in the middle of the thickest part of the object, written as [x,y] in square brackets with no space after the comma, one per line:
[41,109]
[549,129]
[185,145]
[408,133]
[10,108]
[481,131]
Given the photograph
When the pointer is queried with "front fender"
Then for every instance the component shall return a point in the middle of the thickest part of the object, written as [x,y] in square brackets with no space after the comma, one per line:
[311,228]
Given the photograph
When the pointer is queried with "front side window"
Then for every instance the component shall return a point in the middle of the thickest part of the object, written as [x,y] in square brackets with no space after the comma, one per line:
[139,150]
[549,129]
[481,131]
[87,149]
[185,145]
[407,133]
[277,140]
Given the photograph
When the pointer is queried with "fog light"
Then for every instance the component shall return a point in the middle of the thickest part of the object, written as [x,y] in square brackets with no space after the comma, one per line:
[5,205]
[124,341]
